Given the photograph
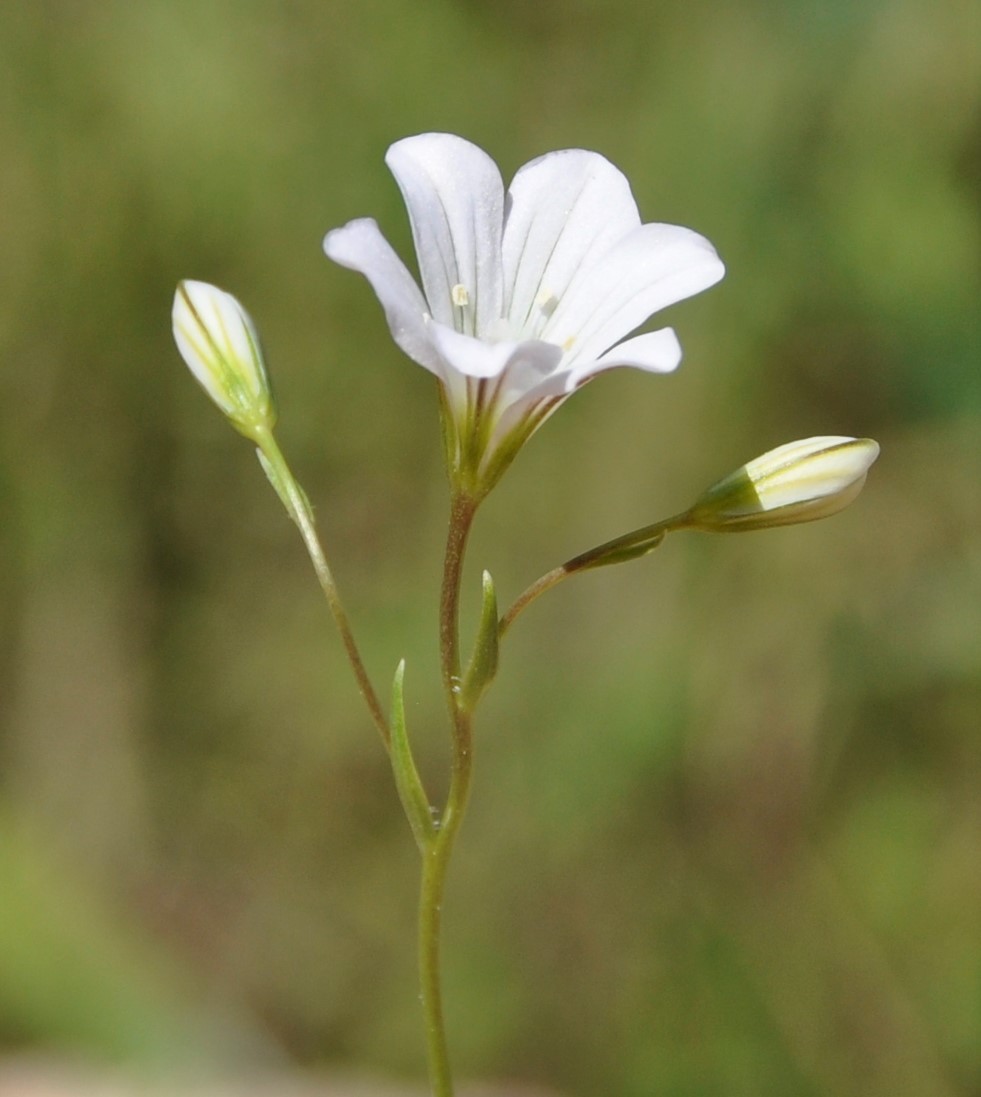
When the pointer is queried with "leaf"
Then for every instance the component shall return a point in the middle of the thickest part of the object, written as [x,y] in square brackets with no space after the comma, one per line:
[483,662]
[415,803]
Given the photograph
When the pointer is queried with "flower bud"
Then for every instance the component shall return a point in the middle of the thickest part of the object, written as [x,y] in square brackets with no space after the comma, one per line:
[220,345]
[798,482]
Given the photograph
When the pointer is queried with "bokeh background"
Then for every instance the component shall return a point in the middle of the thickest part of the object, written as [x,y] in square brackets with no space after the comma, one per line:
[725,831]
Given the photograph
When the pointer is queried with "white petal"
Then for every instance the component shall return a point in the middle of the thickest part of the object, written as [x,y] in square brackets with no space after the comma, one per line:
[530,369]
[360,246]
[467,355]
[527,380]
[651,268]
[655,351]
[455,199]
[797,482]
[219,343]
[810,469]
[538,402]
[564,210]
[476,358]
[505,372]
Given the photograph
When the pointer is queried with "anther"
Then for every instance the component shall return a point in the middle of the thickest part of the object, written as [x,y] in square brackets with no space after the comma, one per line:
[547,302]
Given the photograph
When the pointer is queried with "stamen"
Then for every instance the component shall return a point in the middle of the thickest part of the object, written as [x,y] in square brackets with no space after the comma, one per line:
[459,296]
[547,302]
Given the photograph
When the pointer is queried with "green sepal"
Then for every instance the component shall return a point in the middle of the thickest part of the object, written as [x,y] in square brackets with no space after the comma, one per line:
[483,662]
[411,793]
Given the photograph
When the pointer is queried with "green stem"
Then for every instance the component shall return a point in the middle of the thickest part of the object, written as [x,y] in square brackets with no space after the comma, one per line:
[436,855]
[462,510]
[301,514]
[628,547]
[546,582]
[434,865]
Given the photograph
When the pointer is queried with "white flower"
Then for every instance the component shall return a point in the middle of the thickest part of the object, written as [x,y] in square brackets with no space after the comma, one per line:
[218,341]
[797,482]
[524,294]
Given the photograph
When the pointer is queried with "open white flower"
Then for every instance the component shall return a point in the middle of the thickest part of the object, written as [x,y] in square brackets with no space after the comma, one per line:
[524,293]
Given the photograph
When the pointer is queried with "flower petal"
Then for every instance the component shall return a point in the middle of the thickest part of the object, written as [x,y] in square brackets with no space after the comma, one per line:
[651,268]
[476,358]
[455,199]
[469,356]
[565,210]
[527,381]
[528,411]
[796,482]
[655,351]
[497,376]
[530,369]
[219,343]
[360,246]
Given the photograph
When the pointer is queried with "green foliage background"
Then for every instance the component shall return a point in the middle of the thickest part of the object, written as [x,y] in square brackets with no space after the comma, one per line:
[725,832]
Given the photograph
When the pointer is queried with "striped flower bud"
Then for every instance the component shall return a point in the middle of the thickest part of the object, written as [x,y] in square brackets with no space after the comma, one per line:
[798,482]
[220,345]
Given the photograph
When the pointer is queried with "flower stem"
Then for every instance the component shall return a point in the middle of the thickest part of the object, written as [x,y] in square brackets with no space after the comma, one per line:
[436,854]
[628,547]
[546,582]
[299,510]
[462,510]
[434,865]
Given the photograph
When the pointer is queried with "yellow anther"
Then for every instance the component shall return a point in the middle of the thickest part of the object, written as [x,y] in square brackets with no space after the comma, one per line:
[547,302]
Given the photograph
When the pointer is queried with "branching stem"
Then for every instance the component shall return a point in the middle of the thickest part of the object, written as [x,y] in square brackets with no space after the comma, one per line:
[436,856]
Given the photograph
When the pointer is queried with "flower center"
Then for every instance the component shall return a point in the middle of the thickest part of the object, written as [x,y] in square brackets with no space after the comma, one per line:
[504,329]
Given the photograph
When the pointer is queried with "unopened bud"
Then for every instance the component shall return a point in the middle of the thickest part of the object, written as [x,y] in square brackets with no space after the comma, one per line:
[219,343]
[798,482]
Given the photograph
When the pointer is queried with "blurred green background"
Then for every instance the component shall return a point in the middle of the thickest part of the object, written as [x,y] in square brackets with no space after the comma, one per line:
[725,830]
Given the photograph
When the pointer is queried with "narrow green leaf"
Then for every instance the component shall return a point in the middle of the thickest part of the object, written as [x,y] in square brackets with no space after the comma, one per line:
[415,803]
[483,662]
[627,548]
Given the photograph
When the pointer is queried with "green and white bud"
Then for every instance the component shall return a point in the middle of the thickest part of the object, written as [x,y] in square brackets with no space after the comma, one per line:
[220,345]
[798,482]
